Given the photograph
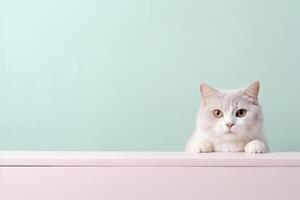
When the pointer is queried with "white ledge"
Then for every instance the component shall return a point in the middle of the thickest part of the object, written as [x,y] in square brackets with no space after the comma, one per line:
[146,159]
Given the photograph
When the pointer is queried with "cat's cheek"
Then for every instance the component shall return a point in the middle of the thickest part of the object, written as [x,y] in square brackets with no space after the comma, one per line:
[219,129]
[236,129]
[240,128]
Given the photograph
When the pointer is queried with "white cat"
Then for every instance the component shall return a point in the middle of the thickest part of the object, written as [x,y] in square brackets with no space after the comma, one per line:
[228,121]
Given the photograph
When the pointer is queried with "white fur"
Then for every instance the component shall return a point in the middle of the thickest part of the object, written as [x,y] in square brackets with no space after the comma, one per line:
[255,146]
[212,134]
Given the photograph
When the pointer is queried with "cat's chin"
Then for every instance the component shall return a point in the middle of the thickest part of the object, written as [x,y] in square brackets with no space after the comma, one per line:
[230,135]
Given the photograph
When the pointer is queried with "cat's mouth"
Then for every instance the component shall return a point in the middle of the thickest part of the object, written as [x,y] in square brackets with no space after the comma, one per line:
[230,132]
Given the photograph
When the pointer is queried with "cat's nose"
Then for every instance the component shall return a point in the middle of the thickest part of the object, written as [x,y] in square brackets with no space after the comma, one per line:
[229,125]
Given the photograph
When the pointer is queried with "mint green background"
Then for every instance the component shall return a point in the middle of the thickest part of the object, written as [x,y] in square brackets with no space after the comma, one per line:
[124,74]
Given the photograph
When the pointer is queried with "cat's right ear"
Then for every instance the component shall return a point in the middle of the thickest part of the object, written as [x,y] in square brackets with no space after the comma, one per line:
[207,91]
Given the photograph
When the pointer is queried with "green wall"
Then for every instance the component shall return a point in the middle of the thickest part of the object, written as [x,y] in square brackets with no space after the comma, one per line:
[124,74]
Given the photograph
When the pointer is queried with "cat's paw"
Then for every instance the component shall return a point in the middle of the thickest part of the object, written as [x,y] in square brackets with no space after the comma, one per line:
[201,147]
[255,146]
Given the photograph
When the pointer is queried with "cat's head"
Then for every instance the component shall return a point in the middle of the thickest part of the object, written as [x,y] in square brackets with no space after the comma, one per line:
[230,113]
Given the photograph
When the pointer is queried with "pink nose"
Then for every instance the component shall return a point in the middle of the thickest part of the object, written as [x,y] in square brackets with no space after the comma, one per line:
[229,125]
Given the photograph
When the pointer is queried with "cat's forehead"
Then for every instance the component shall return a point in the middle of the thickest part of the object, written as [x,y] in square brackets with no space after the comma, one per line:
[229,99]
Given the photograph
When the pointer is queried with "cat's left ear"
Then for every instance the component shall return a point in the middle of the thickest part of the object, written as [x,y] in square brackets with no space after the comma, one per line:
[252,91]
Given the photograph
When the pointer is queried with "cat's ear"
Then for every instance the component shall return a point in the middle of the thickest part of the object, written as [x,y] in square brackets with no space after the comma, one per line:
[252,91]
[207,91]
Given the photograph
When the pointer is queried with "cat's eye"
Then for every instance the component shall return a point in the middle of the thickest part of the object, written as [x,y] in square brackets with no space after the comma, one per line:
[241,113]
[218,113]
